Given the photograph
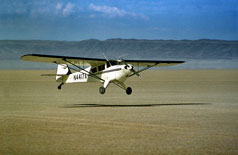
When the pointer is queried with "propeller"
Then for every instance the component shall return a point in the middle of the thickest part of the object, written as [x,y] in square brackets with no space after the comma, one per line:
[135,72]
[107,59]
[132,68]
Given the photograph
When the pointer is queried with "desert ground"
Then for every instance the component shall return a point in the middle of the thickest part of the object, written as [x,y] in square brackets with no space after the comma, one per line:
[169,112]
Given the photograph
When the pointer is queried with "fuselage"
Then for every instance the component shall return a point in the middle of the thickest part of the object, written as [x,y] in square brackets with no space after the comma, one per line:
[112,73]
[116,73]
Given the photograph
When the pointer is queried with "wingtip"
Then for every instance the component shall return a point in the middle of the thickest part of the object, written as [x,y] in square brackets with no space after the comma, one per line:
[25,56]
[22,57]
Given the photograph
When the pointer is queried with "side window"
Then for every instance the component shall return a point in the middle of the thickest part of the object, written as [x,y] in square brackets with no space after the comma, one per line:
[100,68]
[94,70]
[114,63]
[108,65]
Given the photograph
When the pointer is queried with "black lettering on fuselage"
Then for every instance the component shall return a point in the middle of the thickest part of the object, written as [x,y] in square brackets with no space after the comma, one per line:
[80,76]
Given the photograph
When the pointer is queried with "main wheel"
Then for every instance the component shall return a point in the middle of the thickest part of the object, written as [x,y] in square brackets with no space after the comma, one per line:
[128,90]
[102,90]
[59,87]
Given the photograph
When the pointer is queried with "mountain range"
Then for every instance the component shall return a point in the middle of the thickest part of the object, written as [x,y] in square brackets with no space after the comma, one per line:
[188,50]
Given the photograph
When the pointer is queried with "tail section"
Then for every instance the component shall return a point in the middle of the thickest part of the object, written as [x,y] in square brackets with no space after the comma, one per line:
[62,69]
[81,76]
[64,75]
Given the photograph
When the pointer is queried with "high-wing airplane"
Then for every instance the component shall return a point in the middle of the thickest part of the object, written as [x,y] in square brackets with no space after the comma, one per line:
[91,69]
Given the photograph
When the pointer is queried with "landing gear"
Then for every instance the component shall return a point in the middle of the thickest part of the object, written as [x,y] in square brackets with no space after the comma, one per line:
[59,87]
[102,90]
[128,90]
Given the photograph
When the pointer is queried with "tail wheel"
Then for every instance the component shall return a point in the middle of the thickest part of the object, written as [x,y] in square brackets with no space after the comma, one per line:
[102,90]
[128,90]
[60,86]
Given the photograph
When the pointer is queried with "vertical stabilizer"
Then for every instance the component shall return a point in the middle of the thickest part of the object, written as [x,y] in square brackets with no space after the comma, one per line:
[62,69]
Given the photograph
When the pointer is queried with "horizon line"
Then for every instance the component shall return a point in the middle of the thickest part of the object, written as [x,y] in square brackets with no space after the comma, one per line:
[118,39]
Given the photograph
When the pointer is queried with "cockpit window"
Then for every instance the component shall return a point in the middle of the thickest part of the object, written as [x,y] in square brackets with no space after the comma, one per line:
[113,63]
[94,70]
[100,68]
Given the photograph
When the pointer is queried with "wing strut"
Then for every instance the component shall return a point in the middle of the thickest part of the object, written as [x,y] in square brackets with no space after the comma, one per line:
[121,85]
[143,69]
[90,74]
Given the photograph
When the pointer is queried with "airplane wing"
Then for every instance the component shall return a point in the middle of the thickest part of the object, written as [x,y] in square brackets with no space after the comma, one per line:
[61,59]
[81,61]
[155,63]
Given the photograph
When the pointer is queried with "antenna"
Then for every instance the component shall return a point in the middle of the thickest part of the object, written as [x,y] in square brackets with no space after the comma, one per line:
[122,55]
[107,59]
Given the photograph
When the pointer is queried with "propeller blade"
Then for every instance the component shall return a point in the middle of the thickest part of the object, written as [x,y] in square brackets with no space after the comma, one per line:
[136,73]
[124,62]
[132,69]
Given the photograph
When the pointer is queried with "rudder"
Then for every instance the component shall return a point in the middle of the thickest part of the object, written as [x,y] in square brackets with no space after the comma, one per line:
[62,69]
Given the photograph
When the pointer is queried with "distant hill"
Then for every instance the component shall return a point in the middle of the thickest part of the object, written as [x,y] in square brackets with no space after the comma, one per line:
[204,49]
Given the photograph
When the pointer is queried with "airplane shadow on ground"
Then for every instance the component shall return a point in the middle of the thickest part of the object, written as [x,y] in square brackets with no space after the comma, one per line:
[132,105]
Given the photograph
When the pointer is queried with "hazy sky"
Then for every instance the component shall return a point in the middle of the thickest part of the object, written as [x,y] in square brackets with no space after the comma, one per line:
[104,19]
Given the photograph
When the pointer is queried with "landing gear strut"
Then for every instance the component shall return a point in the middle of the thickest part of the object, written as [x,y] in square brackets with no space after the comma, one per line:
[128,90]
[102,90]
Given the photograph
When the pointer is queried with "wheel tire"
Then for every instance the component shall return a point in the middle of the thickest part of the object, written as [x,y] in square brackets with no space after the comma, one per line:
[102,90]
[128,90]
[59,87]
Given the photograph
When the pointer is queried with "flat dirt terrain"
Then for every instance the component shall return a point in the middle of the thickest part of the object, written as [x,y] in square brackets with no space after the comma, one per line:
[169,112]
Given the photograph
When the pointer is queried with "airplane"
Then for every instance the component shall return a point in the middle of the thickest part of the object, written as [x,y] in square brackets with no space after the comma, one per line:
[94,69]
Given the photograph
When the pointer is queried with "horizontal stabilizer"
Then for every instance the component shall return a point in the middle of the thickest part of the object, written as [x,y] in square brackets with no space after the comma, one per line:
[52,74]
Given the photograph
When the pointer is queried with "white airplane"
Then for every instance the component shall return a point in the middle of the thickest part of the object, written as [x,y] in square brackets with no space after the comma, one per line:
[91,69]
